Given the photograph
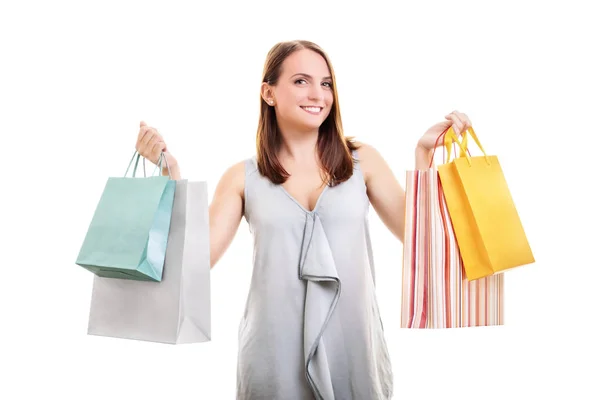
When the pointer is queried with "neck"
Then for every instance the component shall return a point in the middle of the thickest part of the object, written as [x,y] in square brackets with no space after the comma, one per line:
[298,145]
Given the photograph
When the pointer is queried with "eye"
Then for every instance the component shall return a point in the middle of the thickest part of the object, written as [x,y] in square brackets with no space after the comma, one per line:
[300,80]
[328,84]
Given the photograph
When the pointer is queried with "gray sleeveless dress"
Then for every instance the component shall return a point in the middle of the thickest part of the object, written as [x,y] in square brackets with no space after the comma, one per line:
[311,327]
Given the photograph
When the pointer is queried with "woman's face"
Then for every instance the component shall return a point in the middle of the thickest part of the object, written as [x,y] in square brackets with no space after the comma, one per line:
[303,94]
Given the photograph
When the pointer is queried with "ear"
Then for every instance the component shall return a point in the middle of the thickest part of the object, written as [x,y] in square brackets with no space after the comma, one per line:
[266,92]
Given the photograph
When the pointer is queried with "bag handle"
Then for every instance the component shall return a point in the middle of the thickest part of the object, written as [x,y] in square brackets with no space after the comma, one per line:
[451,138]
[159,165]
[463,148]
[448,142]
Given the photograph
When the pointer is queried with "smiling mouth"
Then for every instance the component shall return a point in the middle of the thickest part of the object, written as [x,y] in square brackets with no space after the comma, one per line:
[312,110]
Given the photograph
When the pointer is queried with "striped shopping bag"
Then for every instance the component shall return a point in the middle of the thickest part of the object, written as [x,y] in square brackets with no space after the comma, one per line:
[435,290]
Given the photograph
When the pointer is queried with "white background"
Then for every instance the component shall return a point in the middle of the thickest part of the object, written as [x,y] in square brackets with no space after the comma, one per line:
[76,78]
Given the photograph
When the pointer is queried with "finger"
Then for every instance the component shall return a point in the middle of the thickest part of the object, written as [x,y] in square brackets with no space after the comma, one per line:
[143,130]
[460,125]
[139,144]
[142,144]
[150,145]
[469,124]
[464,119]
[142,125]
[148,135]
[457,125]
[157,148]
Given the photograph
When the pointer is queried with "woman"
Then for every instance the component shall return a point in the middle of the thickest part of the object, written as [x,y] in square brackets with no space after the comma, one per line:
[311,327]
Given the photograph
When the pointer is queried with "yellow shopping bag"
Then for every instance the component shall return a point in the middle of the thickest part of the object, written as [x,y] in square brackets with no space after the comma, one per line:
[490,236]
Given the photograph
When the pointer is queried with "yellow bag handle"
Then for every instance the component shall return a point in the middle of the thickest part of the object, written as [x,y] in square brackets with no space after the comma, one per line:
[450,138]
[448,144]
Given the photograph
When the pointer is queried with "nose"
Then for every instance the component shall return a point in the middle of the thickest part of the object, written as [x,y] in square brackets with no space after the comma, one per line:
[316,93]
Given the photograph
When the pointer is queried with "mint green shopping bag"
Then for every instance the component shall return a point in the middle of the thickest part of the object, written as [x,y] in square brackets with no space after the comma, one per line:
[127,237]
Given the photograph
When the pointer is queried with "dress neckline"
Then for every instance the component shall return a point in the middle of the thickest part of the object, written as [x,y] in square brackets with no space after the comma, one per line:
[300,205]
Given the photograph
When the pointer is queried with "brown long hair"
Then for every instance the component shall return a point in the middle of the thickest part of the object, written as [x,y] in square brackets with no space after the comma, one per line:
[334,149]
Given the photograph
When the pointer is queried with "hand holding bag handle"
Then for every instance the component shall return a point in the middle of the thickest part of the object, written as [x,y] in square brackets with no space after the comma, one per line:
[448,142]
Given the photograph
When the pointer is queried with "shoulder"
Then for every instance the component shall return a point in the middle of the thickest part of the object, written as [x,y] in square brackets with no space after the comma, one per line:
[370,159]
[233,179]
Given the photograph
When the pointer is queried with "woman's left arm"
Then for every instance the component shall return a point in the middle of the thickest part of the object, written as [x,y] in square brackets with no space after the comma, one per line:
[385,192]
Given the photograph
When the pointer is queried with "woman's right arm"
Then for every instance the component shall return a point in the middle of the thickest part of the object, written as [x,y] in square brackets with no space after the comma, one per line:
[226,211]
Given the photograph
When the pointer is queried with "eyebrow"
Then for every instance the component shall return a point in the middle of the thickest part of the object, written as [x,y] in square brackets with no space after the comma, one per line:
[308,76]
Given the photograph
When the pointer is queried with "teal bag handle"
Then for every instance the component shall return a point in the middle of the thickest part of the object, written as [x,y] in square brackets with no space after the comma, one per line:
[137,160]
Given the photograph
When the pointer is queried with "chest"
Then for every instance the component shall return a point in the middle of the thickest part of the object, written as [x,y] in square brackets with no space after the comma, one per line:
[306,187]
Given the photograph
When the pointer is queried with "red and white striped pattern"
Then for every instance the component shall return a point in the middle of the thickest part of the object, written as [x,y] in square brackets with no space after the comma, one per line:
[435,290]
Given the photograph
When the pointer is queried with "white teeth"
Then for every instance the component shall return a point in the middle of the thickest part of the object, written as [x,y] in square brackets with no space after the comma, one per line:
[312,109]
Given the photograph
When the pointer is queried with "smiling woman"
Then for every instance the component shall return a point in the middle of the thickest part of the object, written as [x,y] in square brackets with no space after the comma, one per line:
[311,327]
